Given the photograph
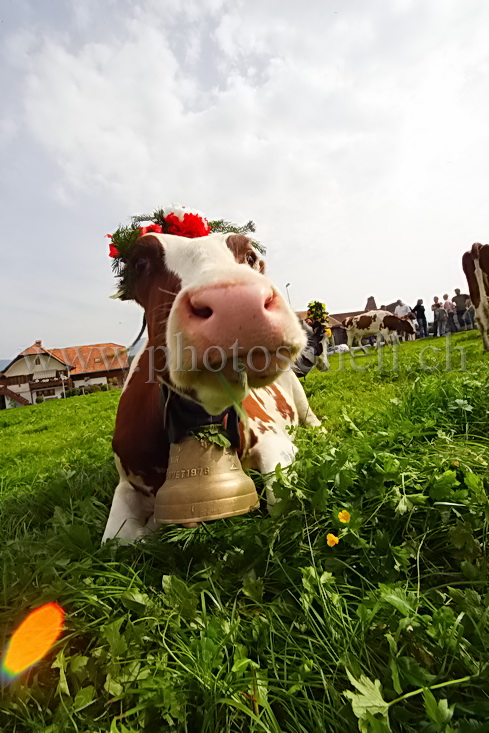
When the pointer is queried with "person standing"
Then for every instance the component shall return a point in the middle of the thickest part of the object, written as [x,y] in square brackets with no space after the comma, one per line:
[440,319]
[401,310]
[450,309]
[470,313]
[420,313]
[459,301]
[434,308]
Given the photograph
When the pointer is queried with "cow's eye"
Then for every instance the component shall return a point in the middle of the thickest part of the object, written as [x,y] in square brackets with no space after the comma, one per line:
[141,264]
[251,259]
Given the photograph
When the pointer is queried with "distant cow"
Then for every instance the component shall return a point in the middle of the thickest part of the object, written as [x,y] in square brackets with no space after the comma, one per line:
[315,353]
[376,323]
[205,300]
[476,268]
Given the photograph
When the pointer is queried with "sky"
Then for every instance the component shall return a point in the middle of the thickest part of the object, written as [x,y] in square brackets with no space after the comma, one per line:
[353,133]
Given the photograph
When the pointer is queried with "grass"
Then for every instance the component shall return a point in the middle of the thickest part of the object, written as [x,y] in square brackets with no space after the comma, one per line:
[255,623]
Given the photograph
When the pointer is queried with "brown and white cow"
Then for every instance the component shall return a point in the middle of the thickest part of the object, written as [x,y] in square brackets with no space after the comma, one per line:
[376,323]
[476,268]
[203,298]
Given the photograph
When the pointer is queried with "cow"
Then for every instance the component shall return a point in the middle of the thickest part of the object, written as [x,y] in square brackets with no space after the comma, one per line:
[315,353]
[476,267]
[376,323]
[205,299]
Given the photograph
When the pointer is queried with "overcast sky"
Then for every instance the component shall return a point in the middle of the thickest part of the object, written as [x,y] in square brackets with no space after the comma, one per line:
[354,133]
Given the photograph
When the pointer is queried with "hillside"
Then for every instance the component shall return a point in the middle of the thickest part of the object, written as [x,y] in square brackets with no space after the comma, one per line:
[259,623]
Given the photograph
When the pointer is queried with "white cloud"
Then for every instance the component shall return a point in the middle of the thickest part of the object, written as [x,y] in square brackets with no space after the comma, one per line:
[354,134]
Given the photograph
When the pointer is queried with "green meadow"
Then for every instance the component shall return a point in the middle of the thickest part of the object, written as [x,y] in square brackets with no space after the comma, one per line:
[361,604]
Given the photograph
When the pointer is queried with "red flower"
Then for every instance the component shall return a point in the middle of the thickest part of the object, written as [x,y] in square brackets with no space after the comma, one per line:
[150,228]
[113,251]
[192,225]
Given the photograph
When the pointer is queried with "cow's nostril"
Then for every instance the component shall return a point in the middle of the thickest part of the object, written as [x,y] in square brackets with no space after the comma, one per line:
[201,312]
[269,301]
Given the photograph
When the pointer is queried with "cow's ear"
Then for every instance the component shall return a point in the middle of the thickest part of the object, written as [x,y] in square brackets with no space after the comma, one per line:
[261,266]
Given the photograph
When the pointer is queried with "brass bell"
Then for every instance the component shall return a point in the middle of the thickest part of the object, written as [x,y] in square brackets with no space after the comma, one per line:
[203,482]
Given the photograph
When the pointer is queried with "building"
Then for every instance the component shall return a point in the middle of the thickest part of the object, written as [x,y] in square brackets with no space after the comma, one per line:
[39,374]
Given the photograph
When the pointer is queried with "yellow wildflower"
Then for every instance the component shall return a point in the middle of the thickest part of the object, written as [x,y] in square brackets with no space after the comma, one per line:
[332,540]
[344,516]
[328,332]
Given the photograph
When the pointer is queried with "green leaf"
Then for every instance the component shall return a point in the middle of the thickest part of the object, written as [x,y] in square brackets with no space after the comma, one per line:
[112,686]
[475,485]
[413,673]
[78,537]
[397,598]
[179,596]
[60,663]
[437,711]
[78,663]
[135,601]
[241,664]
[393,663]
[368,700]
[117,643]
[442,487]
[83,697]
[253,588]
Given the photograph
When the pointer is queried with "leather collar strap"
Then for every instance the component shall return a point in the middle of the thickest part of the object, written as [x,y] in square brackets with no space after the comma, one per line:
[182,416]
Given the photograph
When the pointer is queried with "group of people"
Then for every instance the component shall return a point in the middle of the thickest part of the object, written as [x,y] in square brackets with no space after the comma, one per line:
[449,315]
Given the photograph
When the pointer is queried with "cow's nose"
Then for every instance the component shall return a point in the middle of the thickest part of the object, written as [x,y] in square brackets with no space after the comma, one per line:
[223,314]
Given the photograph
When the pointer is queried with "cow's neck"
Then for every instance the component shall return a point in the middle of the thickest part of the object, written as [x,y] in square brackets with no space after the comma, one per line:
[182,416]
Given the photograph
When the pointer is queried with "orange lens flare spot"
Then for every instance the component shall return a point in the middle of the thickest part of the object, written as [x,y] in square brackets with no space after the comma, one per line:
[33,638]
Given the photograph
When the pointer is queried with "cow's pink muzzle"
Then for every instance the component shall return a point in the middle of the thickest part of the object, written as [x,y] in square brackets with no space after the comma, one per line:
[221,315]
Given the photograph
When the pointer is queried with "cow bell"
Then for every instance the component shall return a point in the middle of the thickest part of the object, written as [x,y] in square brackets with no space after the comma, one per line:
[203,482]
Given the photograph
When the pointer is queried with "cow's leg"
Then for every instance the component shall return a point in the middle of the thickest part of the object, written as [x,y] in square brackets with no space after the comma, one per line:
[359,341]
[482,326]
[350,338]
[291,384]
[305,414]
[131,514]
[272,449]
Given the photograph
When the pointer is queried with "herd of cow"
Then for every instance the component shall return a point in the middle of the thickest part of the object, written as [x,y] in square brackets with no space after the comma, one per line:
[210,295]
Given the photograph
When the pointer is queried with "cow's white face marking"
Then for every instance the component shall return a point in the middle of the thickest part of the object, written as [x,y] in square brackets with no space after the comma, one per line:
[199,261]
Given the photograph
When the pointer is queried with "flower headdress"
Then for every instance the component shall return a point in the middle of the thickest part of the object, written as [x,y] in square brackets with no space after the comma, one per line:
[317,311]
[169,220]
[174,219]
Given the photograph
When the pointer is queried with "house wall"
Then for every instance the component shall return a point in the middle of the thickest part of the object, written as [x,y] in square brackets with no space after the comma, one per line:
[81,380]
[22,390]
[47,367]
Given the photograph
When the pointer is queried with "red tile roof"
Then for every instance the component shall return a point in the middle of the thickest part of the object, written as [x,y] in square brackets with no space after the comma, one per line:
[34,350]
[81,359]
[92,358]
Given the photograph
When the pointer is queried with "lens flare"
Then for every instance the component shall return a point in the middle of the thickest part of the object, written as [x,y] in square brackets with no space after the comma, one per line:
[33,638]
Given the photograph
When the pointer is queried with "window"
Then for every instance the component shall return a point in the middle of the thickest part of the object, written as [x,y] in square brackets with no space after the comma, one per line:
[45,392]
[96,360]
[37,361]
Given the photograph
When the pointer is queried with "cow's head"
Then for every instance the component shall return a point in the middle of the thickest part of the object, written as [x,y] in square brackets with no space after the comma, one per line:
[407,325]
[211,314]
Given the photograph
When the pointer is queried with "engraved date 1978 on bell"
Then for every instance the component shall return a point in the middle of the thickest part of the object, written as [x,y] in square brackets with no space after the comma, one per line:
[190,472]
